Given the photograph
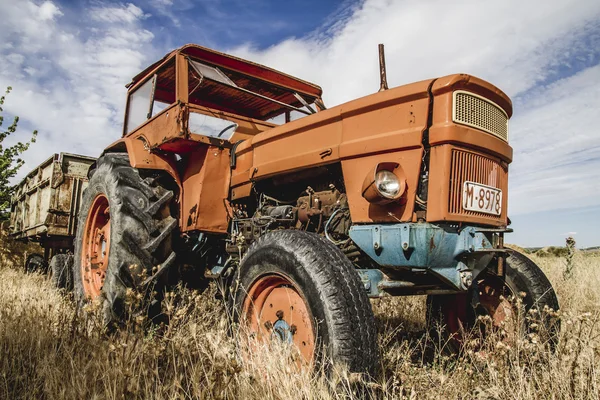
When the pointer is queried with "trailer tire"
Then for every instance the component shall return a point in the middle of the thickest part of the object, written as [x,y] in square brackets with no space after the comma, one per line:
[61,270]
[126,227]
[523,279]
[315,273]
[35,263]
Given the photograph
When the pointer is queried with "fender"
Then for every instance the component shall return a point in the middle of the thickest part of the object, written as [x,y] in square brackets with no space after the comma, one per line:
[140,157]
[203,184]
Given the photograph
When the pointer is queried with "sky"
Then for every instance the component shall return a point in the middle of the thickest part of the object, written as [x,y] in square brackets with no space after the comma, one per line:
[68,62]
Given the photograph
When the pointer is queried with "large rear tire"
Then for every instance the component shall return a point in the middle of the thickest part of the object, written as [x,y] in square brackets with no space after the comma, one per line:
[297,287]
[123,238]
[491,296]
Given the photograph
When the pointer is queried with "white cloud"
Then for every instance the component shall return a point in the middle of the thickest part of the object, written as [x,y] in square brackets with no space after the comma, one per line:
[69,76]
[123,13]
[557,147]
[48,11]
[165,8]
[15,59]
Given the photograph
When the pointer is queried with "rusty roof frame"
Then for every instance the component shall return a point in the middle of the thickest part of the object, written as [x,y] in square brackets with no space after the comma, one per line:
[239,65]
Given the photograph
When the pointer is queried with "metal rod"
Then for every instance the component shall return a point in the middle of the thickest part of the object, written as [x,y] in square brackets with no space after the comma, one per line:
[320,104]
[152,93]
[501,269]
[301,100]
[384,85]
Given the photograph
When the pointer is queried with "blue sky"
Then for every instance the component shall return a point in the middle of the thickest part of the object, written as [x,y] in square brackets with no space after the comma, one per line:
[68,62]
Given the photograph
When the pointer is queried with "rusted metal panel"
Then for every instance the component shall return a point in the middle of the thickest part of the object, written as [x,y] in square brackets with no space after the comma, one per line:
[46,201]
[206,185]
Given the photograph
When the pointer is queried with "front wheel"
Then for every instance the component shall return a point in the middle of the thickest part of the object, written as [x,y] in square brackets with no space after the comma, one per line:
[295,287]
[497,299]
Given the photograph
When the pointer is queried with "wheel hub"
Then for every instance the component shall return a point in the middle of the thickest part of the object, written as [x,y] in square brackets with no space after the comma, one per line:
[275,311]
[494,303]
[281,329]
[95,247]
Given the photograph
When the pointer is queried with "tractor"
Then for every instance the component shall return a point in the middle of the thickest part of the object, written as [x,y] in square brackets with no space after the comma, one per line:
[302,212]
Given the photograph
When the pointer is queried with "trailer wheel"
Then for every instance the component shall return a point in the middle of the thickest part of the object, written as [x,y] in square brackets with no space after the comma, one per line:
[61,270]
[296,287]
[35,263]
[491,296]
[123,243]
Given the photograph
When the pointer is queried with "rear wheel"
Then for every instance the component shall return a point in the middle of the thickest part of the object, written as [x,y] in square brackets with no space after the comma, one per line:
[61,270]
[295,287]
[123,244]
[35,263]
[496,298]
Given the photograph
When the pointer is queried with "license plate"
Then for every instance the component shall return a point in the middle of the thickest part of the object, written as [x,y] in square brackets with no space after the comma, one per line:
[482,198]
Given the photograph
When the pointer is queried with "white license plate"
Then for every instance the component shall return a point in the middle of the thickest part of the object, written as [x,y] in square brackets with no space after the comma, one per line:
[481,198]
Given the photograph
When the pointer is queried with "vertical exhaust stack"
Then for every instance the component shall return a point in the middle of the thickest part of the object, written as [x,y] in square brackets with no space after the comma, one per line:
[383,86]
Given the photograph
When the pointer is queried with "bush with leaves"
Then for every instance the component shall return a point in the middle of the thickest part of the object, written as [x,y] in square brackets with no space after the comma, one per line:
[10,161]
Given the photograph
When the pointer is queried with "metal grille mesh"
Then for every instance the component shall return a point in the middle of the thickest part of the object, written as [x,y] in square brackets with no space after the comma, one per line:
[480,113]
[467,166]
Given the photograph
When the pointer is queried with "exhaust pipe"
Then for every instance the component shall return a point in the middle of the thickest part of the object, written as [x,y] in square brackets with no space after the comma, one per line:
[383,78]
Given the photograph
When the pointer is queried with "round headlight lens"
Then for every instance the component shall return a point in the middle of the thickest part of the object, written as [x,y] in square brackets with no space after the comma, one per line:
[387,184]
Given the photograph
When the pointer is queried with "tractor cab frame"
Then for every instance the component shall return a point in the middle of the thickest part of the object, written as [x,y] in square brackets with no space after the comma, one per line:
[200,102]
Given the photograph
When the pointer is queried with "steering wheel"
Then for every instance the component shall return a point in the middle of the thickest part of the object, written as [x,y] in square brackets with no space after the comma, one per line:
[226,129]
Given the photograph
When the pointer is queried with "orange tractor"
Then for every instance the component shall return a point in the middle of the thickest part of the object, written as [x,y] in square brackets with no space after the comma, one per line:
[401,192]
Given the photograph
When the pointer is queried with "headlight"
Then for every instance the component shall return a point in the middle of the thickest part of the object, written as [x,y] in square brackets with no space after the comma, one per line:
[384,184]
[387,184]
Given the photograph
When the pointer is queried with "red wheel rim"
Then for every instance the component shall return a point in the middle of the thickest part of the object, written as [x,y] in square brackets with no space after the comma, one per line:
[493,298]
[95,247]
[494,301]
[274,298]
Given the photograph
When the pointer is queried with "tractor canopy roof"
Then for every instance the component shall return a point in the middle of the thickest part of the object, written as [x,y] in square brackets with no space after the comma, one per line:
[230,84]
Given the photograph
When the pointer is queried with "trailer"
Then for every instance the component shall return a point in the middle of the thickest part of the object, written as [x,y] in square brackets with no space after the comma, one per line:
[45,205]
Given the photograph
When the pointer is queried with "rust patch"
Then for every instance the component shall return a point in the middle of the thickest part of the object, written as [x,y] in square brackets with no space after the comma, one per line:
[192,216]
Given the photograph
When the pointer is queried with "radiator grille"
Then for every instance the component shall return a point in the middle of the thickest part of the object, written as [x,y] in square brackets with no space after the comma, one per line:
[467,166]
[478,112]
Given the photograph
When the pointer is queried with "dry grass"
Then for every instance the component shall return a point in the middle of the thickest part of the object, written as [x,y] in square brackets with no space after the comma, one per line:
[50,351]
[13,253]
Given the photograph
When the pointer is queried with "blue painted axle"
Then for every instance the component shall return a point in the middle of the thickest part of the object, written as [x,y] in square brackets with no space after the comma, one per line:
[455,256]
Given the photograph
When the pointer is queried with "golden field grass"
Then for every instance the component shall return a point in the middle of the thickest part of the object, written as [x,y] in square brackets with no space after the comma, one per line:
[49,350]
